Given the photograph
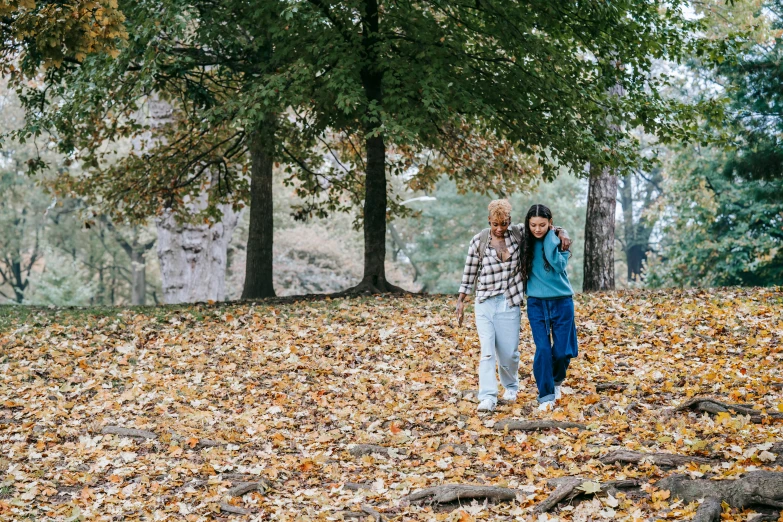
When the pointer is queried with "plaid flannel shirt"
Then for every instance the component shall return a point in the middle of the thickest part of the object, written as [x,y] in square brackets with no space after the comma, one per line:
[497,277]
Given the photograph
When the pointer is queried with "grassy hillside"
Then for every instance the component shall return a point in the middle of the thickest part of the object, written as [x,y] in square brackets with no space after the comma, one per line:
[256,409]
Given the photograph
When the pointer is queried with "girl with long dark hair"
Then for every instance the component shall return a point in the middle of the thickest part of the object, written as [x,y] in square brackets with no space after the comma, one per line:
[550,304]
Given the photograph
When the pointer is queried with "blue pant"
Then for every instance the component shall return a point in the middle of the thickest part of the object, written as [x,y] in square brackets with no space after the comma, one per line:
[554,332]
[498,329]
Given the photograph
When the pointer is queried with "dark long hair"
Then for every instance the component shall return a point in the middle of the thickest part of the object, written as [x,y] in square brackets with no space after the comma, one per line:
[526,261]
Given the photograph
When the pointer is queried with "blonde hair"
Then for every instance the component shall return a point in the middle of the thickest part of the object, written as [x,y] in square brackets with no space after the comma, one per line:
[499,208]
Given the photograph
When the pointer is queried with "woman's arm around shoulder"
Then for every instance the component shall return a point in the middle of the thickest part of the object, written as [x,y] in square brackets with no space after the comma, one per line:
[557,259]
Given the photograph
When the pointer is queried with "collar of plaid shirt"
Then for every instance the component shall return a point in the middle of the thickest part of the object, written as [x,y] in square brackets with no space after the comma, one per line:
[497,277]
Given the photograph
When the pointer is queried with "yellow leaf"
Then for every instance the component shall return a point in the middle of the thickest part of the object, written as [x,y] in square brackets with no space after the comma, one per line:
[661,494]
[723,417]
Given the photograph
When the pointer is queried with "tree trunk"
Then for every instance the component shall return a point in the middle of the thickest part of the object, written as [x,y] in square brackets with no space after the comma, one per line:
[375,216]
[138,276]
[599,230]
[135,251]
[374,279]
[629,228]
[638,227]
[19,284]
[193,258]
[258,267]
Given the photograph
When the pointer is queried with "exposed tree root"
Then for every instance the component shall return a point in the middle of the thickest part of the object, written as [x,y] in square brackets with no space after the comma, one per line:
[714,406]
[663,460]
[523,425]
[246,487]
[128,432]
[451,492]
[366,510]
[604,386]
[567,489]
[757,488]
[366,287]
[356,486]
[360,450]
[241,489]
[234,510]
[146,434]
[709,510]
[563,490]
[777,449]
[370,511]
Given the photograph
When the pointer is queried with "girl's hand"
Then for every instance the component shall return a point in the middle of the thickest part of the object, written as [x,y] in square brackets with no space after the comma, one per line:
[565,241]
[460,311]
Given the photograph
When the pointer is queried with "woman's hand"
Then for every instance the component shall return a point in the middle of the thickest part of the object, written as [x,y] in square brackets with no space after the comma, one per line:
[562,234]
[460,310]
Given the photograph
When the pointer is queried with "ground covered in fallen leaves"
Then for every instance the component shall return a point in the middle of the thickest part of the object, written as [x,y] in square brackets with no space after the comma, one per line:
[273,397]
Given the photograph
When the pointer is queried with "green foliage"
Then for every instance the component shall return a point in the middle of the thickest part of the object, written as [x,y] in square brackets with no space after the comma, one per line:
[527,83]
[485,91]
[64,281]
[52,250]
[721,230]
[23,207]
[22,221]
[725,223]
[439,237]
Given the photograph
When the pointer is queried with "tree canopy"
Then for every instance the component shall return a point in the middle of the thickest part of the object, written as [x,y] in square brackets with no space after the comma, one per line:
[490,92]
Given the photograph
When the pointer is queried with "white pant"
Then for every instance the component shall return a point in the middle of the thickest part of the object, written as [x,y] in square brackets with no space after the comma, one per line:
[498,328]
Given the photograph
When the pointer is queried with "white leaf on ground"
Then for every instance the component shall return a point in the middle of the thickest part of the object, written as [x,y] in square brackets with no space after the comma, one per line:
[128,456]
[766,456]
[475,508]
[590,486]
[126,349]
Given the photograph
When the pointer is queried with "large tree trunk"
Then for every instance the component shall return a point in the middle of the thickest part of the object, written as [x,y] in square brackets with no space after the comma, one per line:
[193,258]
[258,267]
[375,216]
[374,279]
[599,230]
[138,277]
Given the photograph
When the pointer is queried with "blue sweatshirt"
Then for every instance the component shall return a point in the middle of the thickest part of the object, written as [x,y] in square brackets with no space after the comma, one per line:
[553,283]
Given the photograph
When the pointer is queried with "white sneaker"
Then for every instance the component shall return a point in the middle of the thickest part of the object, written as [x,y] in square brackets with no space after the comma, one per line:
[546,406]
[486,405]
[558,393]
[510,395]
